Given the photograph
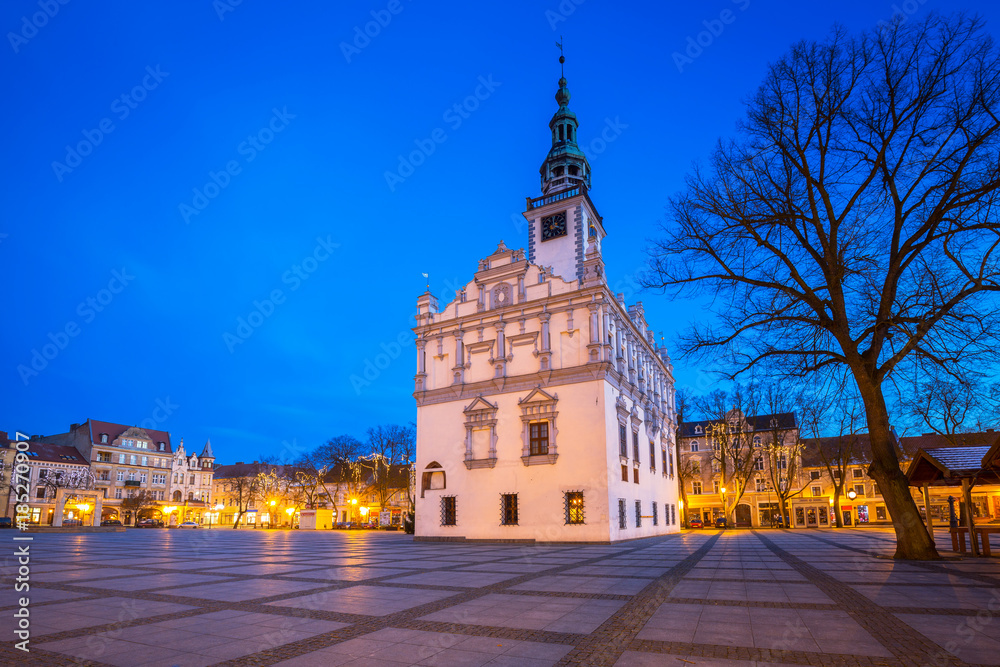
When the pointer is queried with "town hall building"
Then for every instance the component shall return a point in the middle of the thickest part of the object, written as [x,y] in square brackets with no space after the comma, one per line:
[545,409]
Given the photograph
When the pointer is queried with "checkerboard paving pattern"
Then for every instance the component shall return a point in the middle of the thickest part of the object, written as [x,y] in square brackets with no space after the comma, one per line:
[733,599]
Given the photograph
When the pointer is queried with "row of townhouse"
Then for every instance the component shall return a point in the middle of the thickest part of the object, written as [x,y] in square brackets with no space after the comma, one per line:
[265,495]
[759,471]
[102,470]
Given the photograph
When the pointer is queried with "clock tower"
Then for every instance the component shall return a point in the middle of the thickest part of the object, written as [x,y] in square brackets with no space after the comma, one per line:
[563,223]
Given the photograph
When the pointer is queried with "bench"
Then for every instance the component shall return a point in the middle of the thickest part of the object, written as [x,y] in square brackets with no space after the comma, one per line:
[982,534]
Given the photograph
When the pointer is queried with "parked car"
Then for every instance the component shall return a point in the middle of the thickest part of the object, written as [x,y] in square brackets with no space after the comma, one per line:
[721,522]
[695,522]
[6,522]
[72,522]
[188,524]
[107,522]
[149,523]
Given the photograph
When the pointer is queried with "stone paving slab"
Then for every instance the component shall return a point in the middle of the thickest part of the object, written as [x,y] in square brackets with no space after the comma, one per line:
[732,599]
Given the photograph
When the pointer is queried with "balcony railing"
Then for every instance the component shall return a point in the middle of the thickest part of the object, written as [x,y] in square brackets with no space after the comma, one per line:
[565,194]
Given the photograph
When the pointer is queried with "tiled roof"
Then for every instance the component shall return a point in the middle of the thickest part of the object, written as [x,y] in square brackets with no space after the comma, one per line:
[785,420]
[959,459]
[858,445]
[43,451]
[114,430]
[927,441]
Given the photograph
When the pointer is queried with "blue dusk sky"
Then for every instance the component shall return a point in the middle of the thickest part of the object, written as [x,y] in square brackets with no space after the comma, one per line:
[198,230]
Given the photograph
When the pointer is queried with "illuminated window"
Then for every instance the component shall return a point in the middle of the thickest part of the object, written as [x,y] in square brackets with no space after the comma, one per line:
[574,507]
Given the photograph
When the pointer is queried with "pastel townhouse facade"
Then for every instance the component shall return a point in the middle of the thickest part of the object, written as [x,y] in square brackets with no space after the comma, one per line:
[545,408]
[191,477]
[124,461]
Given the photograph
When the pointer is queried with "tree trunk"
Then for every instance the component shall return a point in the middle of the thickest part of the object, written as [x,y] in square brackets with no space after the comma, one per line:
[783,508]
[837,513]
[912,540]
[236,523]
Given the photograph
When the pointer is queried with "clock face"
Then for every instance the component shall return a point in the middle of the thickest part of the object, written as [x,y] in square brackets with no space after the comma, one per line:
[554,226]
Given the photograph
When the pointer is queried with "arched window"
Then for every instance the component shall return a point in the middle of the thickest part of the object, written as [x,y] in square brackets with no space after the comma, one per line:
[561,133]
[694,445]
[104,438]
[558,171]
[569,133]
[177,496]
[574,170]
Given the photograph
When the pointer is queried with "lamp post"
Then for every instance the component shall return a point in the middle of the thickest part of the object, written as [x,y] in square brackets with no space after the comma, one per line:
[354,502]
[725,509]
[270,512]
[290,511]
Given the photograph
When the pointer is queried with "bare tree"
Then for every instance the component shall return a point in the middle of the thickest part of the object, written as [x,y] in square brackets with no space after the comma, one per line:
[729,435]
[391,446]
[138,502]
[782,452]
[243,491]
[854,222]
[951,405]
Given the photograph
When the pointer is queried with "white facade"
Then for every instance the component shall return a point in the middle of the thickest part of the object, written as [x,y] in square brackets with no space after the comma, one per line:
[191,475]
[527,382]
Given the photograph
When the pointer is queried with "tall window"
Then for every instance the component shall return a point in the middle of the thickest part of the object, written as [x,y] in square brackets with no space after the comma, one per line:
[118,493]
[696,488]
[635,475]
[635,445]
[817,491]
[670,459]
[622,440]
[121,476]
[574,507]
[508,509]
[694,445]
[624,473]
[656,516]
[665,461]
[859,489]
[538,434]
[758,463]
[621,514]
[638,514]
[673,514]
[448,514]
[652,455]
[715,486]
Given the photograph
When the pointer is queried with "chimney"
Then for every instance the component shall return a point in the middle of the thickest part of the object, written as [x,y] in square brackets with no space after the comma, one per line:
[73,427]
[989,430]
[239,463]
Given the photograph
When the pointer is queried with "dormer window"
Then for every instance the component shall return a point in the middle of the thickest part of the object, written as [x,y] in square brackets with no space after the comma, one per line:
[104,438]
[697,429]
[163,446]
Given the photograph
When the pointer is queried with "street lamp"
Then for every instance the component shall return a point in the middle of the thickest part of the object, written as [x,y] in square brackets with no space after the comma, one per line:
[290,511]
[84,508]
[852,494]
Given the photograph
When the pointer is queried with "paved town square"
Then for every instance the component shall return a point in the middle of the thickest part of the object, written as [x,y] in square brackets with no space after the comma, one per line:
[207,597]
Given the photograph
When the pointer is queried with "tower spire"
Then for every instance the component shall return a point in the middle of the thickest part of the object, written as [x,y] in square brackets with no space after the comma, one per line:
[565,166]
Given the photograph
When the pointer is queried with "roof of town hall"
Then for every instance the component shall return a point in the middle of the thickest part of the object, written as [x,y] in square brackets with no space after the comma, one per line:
[785,420]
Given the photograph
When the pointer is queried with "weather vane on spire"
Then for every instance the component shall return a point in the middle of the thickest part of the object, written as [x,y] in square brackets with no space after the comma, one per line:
[562,58]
